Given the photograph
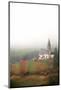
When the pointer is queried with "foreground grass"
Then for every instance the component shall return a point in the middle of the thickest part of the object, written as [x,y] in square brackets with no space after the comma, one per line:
[30,80]
[34,80]
[44,76]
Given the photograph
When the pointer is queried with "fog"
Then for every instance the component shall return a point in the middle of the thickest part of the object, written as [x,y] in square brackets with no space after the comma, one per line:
[32,25]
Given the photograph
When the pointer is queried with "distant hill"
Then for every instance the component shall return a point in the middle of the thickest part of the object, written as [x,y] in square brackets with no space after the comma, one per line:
[28,54]
[17,55]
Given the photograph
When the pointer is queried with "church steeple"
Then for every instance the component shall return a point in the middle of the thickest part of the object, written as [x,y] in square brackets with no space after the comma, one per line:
[49,46]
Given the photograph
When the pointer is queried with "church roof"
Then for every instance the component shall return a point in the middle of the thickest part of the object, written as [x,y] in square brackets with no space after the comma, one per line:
[43,51]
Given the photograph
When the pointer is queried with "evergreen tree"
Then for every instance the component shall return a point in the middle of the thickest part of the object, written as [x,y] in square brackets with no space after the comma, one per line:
[56,57]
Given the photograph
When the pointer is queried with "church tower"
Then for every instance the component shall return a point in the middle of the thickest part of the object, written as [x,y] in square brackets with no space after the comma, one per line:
[49,47]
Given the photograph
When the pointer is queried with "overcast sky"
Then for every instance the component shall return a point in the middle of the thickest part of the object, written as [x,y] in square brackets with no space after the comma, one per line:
[31,25]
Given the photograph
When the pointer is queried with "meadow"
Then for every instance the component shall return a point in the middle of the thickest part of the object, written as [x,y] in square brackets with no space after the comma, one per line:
[27,70]
[33,73]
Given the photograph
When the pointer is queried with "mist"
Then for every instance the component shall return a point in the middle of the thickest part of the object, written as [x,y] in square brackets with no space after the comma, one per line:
[32,25]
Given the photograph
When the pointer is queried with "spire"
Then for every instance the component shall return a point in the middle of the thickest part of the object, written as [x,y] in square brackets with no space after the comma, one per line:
[49,46]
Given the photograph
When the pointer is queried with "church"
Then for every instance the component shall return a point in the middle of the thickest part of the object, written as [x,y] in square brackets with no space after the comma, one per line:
[46,54]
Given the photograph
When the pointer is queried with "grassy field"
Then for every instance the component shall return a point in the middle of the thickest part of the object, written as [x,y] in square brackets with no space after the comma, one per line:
[33,78]
[30,80]
[30,66]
